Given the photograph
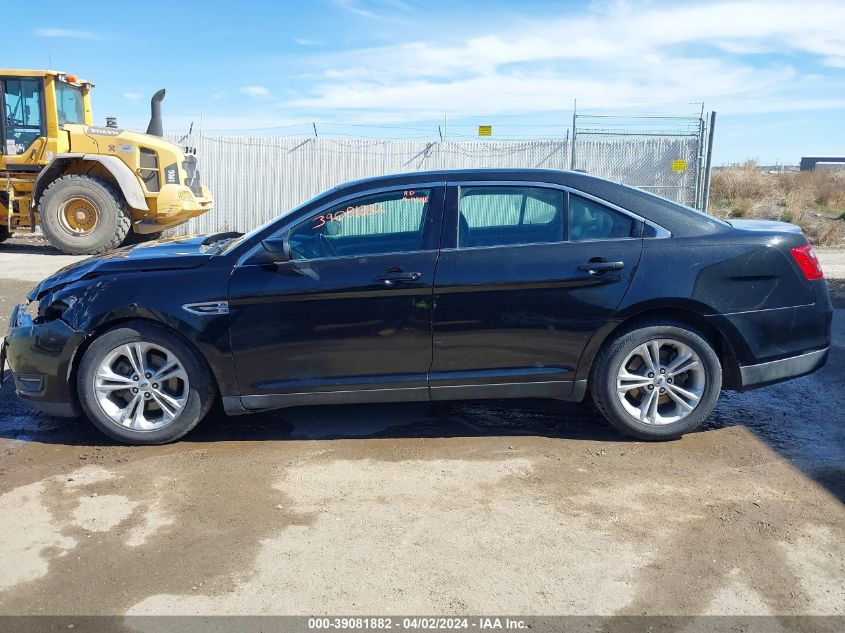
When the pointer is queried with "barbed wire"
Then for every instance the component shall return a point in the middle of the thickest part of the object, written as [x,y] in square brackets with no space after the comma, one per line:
[394,147]
[455,132]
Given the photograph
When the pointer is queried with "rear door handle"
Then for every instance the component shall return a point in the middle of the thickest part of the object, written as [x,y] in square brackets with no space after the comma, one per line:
[392,279]
[598,267]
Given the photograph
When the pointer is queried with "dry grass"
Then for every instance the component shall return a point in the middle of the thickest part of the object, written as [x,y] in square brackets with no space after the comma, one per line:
[813,200]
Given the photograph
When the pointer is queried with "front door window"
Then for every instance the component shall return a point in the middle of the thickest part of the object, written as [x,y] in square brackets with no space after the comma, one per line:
[392,222]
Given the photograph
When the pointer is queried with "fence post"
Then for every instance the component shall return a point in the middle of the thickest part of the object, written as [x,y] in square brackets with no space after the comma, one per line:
[708,163]
[572,148]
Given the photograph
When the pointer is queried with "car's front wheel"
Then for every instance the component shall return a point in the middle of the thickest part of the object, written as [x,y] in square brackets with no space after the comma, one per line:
[657,381]
[142,384]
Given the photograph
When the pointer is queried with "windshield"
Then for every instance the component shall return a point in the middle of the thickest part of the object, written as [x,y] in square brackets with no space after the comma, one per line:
[71,107]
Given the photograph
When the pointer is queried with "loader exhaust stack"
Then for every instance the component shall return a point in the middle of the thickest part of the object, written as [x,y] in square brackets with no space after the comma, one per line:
[155,127]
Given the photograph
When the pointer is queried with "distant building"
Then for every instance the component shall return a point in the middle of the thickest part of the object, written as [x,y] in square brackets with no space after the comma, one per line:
[808,163]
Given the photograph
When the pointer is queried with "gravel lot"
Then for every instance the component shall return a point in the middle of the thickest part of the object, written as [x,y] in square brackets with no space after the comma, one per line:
[520,507]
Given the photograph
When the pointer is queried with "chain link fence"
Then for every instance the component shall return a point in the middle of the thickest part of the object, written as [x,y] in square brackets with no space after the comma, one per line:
[664,155]
[254,179]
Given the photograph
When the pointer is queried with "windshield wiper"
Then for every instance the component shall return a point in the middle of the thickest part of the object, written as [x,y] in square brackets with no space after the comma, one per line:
[213,244]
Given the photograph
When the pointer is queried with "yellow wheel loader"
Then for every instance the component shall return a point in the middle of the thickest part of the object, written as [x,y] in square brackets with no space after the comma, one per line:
[90,188]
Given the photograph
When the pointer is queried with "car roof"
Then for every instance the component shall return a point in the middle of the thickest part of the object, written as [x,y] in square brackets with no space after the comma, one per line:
[681,220]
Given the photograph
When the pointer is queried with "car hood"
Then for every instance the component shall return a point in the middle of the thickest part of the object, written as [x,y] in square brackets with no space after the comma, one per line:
[176,253]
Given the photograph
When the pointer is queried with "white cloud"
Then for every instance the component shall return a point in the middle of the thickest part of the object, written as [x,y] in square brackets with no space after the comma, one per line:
[67,34]
[132,96]
[373,9]
[304,41]
[255,91]
[352,6]
[629,52]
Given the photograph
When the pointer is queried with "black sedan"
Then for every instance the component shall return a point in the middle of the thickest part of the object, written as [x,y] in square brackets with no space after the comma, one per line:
[431,286]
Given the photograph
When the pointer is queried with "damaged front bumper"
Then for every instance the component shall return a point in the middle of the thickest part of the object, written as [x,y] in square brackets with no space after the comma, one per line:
[40,356]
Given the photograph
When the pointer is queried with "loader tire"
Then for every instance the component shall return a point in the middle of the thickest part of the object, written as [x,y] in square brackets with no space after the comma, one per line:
[83,215]
[4,233]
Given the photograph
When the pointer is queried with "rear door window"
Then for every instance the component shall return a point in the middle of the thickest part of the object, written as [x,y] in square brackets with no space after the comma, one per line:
[505,215]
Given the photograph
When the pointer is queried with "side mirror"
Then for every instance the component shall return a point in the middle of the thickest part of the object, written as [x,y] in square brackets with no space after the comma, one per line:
[332,227]
[277,249]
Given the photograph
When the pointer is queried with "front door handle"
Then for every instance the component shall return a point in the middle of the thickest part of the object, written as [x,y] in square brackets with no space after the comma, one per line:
[600,266]
[392,279]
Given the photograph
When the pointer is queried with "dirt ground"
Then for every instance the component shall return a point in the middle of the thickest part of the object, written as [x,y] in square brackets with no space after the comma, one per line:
[522,507]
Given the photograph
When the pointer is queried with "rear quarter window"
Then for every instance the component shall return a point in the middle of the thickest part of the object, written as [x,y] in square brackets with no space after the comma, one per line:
[589,220]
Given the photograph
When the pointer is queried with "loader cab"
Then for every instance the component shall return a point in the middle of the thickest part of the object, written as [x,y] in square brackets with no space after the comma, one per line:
[23,113]
[35,106]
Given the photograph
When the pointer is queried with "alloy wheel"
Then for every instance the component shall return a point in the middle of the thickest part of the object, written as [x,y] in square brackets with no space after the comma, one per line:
[661,381]
[141,386]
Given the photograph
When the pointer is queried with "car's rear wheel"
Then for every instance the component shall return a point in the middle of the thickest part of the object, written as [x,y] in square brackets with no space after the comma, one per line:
[141,384]
[657,381]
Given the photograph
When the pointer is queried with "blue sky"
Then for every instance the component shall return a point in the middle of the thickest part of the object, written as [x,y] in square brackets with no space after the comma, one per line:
[773,70]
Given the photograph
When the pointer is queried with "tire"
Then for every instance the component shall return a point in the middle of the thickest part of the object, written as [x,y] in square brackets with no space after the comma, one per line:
[105,217]
[104,400]
[4,227]
[666,418]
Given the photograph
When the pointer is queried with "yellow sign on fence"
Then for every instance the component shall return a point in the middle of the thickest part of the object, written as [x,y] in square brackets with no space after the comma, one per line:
[679,165]
[485,130]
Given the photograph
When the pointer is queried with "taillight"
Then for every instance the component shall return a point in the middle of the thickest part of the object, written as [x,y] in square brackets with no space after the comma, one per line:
[808,262]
